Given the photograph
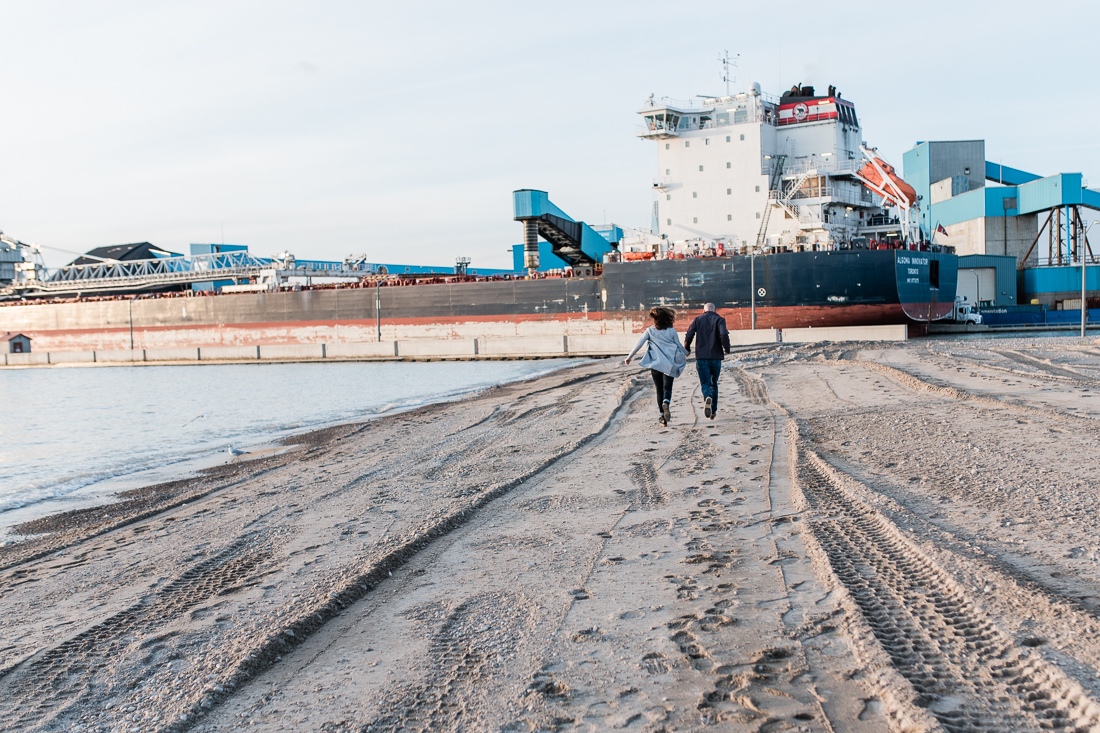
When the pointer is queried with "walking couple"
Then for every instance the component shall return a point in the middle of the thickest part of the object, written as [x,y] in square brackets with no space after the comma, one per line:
[666,358]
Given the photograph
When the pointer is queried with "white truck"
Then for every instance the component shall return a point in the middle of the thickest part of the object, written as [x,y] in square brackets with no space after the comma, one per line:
[965,312]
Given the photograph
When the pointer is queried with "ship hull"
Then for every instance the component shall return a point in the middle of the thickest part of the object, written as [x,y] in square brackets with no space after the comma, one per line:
[793,290]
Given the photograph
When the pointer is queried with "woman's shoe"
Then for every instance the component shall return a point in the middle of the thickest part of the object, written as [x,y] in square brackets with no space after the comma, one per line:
[667,416]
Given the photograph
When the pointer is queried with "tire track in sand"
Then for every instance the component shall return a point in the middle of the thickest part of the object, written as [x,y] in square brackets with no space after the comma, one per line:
[54,678]
[463,657]
[753,388]
[961,667]
[395,555]
[918,384]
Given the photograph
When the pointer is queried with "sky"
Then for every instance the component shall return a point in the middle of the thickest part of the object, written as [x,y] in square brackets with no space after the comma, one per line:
[399,130]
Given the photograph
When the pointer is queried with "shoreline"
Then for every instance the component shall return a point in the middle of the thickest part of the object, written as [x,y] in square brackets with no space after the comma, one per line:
[543,555]
[192,467]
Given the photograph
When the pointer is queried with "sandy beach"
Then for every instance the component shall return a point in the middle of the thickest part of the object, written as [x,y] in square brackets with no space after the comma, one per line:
[866,538]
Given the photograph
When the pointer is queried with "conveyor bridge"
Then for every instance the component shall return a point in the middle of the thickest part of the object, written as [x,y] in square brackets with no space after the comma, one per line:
[573,241]
[136,275]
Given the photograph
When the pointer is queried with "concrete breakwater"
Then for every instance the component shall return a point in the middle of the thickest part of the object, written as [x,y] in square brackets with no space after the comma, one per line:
[518,347]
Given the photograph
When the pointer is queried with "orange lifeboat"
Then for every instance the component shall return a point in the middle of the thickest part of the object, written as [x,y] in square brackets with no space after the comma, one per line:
[871,173]
[637,255]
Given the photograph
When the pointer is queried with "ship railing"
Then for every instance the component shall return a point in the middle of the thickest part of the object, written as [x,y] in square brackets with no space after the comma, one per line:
[833,193]
[823,165]
[1064,261]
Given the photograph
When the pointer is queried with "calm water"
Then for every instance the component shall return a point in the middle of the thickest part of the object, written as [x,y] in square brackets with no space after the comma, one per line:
[69,436]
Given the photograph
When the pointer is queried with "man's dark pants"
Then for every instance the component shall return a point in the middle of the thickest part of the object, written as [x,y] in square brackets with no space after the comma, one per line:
[709,369]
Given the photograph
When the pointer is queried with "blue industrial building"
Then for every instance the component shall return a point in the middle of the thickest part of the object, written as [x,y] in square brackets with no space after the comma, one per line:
[990,209]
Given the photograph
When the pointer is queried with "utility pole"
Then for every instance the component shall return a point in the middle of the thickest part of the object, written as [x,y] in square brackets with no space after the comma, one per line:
[1084,306]
[1081,253]
[378,308]
[752,283]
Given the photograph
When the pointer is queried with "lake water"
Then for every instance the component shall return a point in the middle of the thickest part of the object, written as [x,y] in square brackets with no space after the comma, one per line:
[70,437]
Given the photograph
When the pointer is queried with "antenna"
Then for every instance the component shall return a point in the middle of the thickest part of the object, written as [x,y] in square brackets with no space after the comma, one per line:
[727,64]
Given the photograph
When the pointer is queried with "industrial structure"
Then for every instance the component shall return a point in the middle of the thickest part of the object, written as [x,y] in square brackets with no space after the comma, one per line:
[142,268]
[985,209]
[739,174]
[565,243]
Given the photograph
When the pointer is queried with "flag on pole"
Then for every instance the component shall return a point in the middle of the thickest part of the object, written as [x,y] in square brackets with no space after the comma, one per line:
[941,230]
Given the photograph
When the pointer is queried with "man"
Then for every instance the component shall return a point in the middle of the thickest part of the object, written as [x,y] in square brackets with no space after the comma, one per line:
[713,345]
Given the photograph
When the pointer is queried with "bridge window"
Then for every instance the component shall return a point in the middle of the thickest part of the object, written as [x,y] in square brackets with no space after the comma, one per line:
[695,194]
[758,189]
[668,197]
[668,171]
[729,217]
[666,146]
[723,119]
[742,136]
[687,143]
[694,220]
[729,191]
[705,122]
[727,165]
[727,138]
[700,168]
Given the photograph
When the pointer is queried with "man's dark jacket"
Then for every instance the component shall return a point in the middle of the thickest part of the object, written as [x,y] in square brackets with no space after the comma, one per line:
[714,338]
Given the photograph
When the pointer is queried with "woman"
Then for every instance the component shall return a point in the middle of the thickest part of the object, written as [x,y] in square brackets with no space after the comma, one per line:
[665,356]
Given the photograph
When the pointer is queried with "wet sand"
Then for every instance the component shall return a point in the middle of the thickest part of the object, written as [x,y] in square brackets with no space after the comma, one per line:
[866,538]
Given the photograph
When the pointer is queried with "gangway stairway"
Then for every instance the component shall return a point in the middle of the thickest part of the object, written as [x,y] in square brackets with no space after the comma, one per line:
[773,186]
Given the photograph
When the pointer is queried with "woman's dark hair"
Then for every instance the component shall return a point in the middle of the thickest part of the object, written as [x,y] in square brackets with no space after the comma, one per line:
[663,317]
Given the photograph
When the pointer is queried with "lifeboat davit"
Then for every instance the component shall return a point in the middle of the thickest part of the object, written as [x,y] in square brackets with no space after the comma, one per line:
[873,175]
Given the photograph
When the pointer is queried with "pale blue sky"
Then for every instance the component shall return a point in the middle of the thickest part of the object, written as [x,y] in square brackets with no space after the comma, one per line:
[399,130]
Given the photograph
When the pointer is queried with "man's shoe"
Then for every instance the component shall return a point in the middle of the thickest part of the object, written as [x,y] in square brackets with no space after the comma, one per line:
[665,412]
[708,410]
[664,423]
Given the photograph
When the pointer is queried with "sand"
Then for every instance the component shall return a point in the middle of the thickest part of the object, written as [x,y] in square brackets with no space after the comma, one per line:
[866,538]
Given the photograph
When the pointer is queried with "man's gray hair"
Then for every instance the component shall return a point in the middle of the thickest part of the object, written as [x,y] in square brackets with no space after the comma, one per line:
[708,307]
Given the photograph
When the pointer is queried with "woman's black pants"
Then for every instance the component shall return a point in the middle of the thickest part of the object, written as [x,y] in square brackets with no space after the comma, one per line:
[663,383]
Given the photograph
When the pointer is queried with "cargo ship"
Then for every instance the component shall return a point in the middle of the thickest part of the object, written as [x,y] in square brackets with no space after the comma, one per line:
[792,289]
[771,208]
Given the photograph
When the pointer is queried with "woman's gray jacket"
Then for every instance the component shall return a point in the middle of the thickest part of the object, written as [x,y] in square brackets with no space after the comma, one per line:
[665,354]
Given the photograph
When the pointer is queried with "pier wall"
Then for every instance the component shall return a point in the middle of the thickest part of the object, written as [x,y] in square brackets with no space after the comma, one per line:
[426,349]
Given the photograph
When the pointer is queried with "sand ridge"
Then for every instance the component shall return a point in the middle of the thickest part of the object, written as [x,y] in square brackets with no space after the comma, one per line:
[866,538]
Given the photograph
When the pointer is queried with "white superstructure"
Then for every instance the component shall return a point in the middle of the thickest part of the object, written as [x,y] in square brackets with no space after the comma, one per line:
[750,169]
